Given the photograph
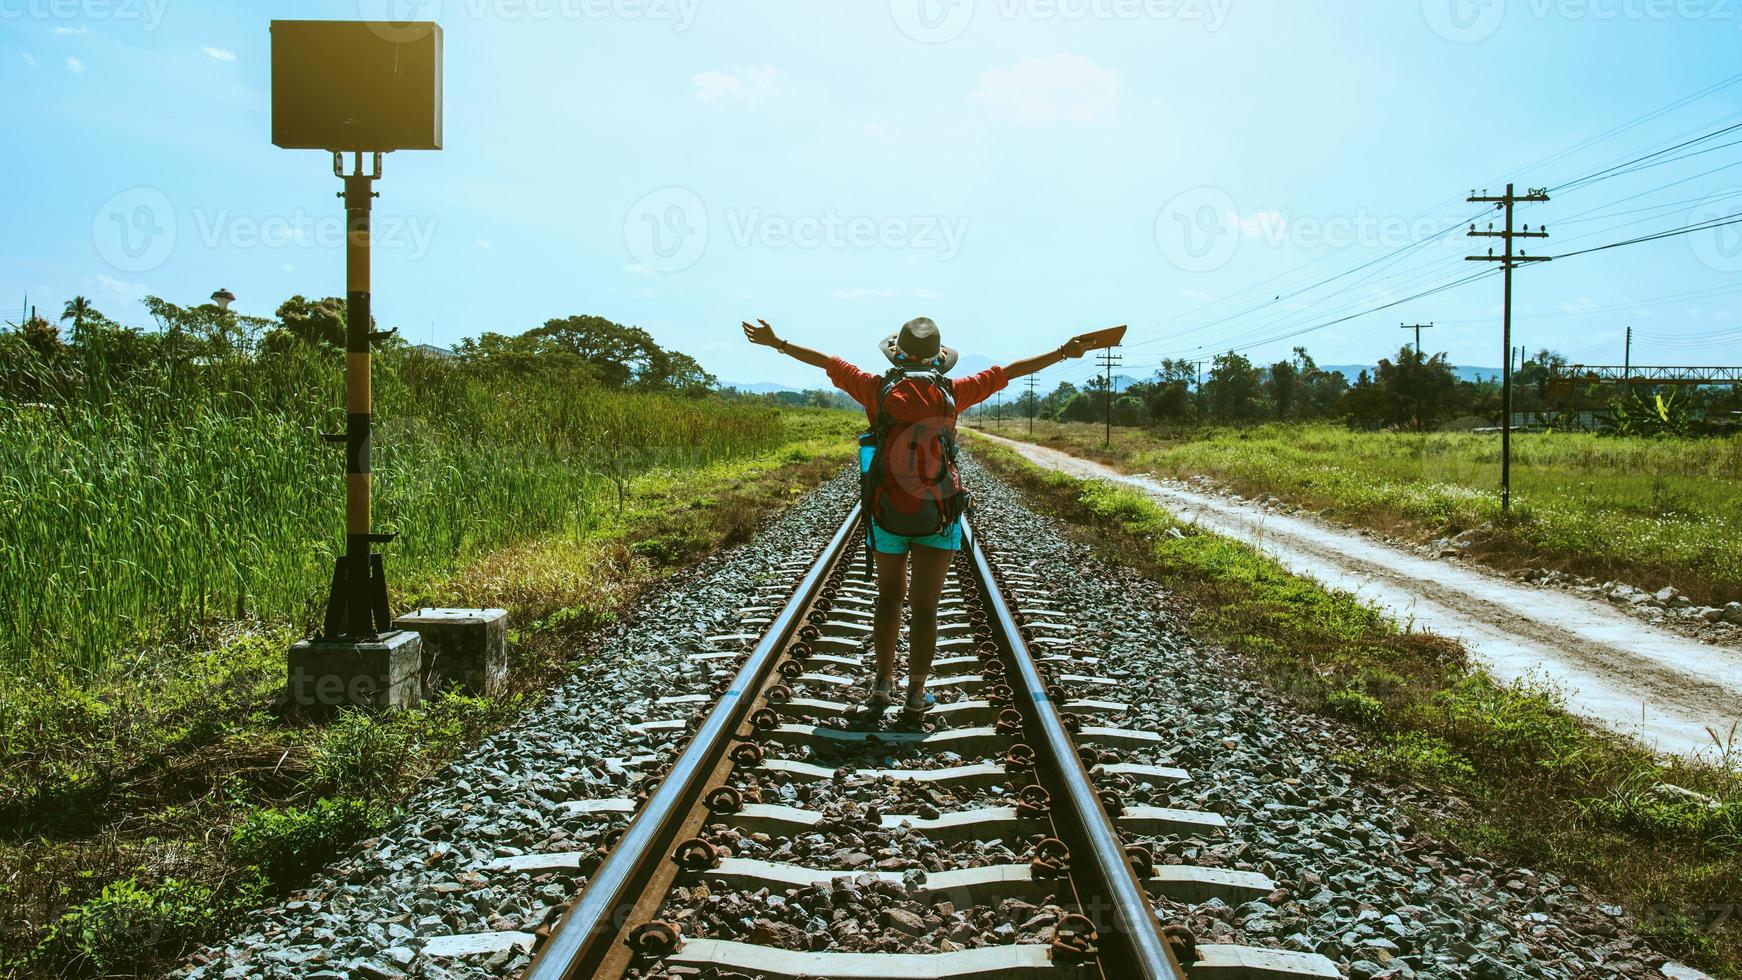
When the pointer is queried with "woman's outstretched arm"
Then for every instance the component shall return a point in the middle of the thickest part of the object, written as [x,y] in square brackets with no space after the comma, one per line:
[764,335]
[1070,349]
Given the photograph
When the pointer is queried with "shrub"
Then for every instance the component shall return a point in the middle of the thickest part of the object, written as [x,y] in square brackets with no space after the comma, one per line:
[127,922]
[1418,755]
[361,754]
[1356,708]
[286,844]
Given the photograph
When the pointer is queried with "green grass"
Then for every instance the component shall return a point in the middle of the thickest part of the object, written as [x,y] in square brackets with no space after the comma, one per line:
[1648,511]
[146,804]
[1542,789]
[132,516]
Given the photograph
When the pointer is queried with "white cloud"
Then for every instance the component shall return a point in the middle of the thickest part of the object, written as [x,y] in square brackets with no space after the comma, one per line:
[120,288]
[287,267]
[747,85]
[637,269]
[72,31]
[485,244]
[1196,296]
[873,129]
[29,60]
[645,293]
[75,66]
[1060,88]
[219,54]
[1580,305]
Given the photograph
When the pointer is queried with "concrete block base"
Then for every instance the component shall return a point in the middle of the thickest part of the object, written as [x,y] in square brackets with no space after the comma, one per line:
[467,648]
[382,672]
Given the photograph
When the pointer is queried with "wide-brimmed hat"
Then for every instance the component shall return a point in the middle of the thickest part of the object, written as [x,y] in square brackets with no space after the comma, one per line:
[918,345]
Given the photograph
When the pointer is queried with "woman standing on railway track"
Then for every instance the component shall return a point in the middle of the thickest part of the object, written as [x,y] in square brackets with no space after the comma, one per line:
[913,495]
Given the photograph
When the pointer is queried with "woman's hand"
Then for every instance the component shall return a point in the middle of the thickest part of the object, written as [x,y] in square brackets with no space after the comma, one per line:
[762,335]
[1074,348]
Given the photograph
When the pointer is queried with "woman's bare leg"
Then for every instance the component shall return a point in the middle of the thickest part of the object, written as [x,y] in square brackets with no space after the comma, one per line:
[930,565]
[886,629]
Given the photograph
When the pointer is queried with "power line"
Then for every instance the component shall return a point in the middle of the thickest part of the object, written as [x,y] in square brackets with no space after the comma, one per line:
[1730,219]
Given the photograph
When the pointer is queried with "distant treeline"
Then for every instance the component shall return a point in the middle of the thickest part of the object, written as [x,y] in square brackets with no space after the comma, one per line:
[1410,390]
[55,361]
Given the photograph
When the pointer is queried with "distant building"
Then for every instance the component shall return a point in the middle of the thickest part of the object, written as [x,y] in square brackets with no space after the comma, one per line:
[431,350]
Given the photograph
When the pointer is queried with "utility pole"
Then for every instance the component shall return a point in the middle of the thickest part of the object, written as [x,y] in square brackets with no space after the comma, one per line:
[1032,404]
[1108,359]
[998,419]
[1627,365]
[1418,328]
[1508,261]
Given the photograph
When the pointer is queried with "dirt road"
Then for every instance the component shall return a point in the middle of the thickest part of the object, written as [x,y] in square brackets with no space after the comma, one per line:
[1633,677]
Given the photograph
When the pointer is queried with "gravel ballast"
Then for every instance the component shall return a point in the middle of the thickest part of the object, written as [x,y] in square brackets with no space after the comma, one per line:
[424,878]
[1357,882]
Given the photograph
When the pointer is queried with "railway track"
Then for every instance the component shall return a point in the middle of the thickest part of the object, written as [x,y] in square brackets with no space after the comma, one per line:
[1009,836]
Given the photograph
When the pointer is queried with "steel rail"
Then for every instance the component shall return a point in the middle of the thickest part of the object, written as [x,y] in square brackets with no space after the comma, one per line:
[594,928]
[1130,941]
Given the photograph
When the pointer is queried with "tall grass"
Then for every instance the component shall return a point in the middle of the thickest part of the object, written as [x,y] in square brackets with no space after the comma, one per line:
[1669,509]
[130,511]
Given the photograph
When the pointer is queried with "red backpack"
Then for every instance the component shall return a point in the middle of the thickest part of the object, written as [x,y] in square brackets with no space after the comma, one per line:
[908,482]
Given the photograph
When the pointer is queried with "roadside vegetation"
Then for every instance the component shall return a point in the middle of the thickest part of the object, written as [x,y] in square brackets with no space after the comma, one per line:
[1649,511]
[170,521]
[1530,783]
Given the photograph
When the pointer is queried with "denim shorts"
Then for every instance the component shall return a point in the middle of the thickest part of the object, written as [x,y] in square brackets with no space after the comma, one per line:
[949,539]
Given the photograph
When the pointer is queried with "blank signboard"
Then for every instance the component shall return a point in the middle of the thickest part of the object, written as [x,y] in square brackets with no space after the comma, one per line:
[356,85]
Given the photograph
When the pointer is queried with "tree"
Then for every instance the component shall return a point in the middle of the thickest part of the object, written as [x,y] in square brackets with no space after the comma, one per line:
[78,310]
[43,338]
[1232,388]
[1084,406]
[1284,381]
[316,323]
[1415,389]
[1053,405]
[1171,402]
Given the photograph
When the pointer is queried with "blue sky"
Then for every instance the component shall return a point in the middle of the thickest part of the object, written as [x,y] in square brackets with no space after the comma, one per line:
[1019,170]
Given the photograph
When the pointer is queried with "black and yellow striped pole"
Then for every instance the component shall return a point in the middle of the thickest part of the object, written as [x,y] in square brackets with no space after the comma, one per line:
[357,602]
